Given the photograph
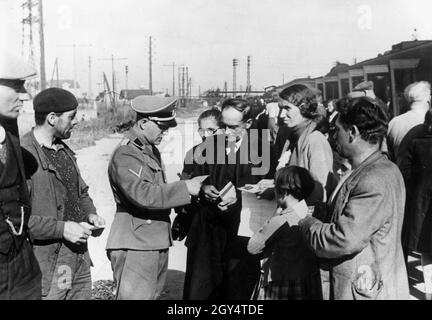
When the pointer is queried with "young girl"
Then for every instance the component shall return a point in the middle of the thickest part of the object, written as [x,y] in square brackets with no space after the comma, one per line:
[289,268]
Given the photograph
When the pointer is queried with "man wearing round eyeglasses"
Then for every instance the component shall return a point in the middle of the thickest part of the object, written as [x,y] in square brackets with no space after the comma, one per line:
[140,235]
[20,276]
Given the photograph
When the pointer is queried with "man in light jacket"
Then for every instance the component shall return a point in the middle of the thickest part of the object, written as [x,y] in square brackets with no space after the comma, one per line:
[361,238]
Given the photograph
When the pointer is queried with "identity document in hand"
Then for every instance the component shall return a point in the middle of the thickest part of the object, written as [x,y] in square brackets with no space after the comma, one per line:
[227,192]
[255,212]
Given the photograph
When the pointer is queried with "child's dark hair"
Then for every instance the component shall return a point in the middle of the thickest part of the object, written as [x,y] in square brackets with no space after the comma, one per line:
[295,181]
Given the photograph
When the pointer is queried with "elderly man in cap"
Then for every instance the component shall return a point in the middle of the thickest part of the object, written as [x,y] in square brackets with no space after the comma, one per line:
[141,233]
[63,213]
[19,270]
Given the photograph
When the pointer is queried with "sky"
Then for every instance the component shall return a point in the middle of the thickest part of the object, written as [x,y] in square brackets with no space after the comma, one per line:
[286,39]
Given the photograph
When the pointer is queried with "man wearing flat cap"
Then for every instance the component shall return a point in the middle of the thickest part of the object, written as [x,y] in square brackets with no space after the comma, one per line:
[365,88]
[19,270]
[140,235]
[63,212]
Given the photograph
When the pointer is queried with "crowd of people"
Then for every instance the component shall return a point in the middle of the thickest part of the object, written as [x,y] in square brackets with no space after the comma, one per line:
[351,188]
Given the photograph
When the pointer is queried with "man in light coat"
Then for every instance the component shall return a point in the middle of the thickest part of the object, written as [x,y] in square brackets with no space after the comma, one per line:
[361,238]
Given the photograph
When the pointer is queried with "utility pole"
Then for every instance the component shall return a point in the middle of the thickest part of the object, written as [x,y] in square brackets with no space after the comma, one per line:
[126,77]
[183,86]
[235,64]
[113,77]
[187,83]
[74,46]
[225,88]
[90,89]
[55,71]
[248,81]
[179,80]
[42,47]
[173,65]
[150,66]
[283,78]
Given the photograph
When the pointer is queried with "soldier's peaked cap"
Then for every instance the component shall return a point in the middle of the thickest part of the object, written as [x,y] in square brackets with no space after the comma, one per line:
[158,109]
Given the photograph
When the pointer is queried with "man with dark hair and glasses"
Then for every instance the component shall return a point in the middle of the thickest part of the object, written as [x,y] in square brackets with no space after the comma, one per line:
[140,235]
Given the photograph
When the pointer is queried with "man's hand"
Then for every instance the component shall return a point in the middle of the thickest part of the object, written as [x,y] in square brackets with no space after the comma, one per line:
[193,186]
[266,194]
[210,193]
[96,220]
[267,189]
[223,206]
[75,233]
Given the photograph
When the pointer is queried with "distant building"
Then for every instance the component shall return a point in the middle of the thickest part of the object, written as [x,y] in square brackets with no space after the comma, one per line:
[131,94]
[390,72]
[67,85]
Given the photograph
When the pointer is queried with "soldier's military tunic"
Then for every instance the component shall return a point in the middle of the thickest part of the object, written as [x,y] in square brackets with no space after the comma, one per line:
[141,232]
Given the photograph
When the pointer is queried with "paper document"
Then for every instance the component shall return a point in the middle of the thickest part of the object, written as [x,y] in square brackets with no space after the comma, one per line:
[227,192]
[255,212]
[90,226]
[251,188]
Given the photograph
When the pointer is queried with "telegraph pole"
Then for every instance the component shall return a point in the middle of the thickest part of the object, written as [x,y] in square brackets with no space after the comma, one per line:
[183,86]
[235,64]
[173,65]
[113,77]
[74,46]
[42,46]
[90,90]
[55,71]
[187,82]
[126,77]
[150,66]
[248,81]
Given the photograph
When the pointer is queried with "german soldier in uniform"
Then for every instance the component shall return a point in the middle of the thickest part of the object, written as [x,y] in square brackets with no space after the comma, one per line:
[140,235]
[20,277]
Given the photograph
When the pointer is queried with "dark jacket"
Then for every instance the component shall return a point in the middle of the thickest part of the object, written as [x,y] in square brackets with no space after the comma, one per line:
[47,194]
[12,187]
[416,167]
[212,239]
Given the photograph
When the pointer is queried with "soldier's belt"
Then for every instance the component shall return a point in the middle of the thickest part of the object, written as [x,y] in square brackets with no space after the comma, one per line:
[161,215]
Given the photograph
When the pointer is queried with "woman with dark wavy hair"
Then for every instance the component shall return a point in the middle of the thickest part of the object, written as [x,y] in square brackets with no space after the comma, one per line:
[309,147]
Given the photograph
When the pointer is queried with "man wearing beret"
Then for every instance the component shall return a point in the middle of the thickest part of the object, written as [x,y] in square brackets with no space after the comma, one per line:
[63,212]
[140,235]
[19,270]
